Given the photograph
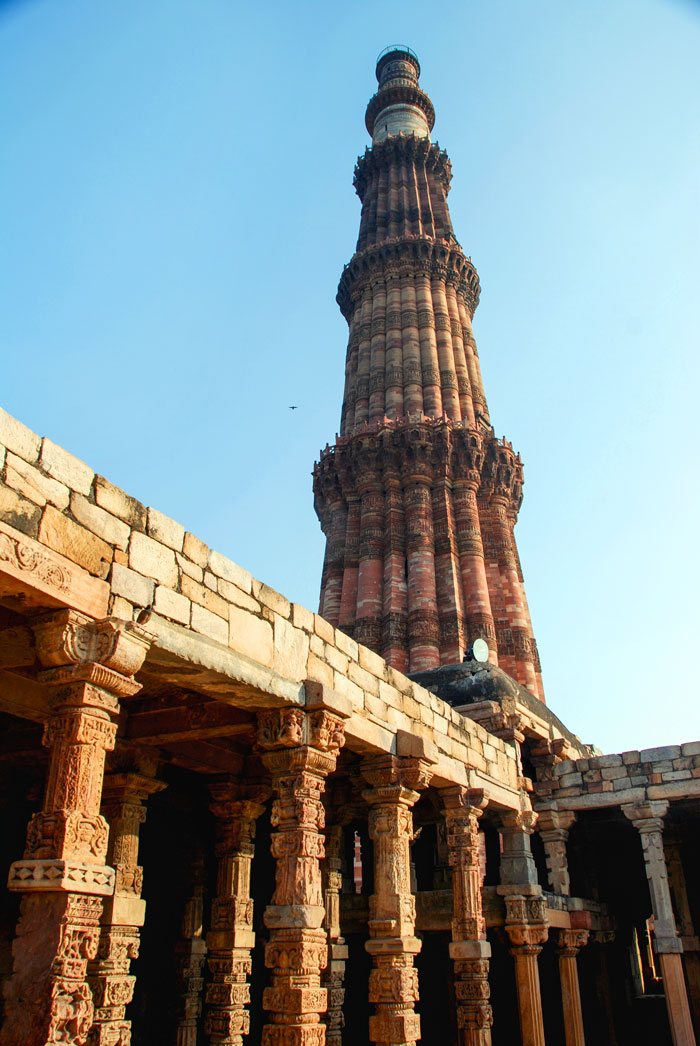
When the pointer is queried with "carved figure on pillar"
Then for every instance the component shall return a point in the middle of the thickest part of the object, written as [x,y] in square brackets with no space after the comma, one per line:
[393,985]
[124,795]
[300,750]
[89,666]
[469,949]
[236,807]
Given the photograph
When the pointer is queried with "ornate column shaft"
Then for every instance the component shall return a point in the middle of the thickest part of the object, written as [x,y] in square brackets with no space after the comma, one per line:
[569,942]
[553,828]
[300,751]
[469,949]
[334,979]
[236,807]
[526,923]
[191,951]
[526,926]
[648,820]
[63,874]
[393,984]
[124,795]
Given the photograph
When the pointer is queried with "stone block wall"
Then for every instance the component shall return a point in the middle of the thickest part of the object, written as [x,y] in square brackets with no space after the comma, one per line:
[147,560]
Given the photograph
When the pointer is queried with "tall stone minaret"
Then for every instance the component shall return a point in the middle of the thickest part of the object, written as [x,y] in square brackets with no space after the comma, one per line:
[418,498]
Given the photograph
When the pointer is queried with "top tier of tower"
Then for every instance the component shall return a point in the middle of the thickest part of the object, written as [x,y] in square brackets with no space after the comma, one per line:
[408,293]
[399,106]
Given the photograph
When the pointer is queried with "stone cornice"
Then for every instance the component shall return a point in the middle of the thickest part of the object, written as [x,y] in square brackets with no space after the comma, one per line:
[402,147]
[432,449]
[417,255]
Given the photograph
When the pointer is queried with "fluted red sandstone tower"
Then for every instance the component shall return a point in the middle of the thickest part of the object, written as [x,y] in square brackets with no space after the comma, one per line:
[418,498]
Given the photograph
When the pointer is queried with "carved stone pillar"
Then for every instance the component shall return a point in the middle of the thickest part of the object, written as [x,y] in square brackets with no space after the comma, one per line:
[112,985]
[63,874]
[334,980]
[684,921]
[236,807]
[604,939]
[300,751]
[517,866]
[648,820]
[526,926]
[393,984]
[191,951]
[469,949]
[553,827]
[526,923]
[569,942]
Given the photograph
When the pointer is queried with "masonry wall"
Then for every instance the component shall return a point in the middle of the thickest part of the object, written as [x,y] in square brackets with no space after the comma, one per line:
[136,558]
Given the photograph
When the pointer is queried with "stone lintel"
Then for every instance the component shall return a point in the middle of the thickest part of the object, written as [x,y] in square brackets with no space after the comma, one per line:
[318,695]
[41,577]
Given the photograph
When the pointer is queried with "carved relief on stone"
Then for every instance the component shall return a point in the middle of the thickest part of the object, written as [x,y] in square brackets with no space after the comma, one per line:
[301,752]
[91,664]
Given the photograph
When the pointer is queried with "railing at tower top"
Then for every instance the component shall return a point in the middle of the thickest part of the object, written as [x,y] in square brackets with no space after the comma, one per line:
[397,47]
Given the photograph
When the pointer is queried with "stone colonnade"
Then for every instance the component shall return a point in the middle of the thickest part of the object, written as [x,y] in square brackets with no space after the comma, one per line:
[80,879]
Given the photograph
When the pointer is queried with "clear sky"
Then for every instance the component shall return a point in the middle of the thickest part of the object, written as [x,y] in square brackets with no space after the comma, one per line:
[177,206]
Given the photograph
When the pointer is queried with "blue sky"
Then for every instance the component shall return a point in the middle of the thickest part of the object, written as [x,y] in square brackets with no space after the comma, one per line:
[177,208]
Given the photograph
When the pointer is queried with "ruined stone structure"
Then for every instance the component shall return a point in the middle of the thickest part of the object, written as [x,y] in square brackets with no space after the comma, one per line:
[228,821]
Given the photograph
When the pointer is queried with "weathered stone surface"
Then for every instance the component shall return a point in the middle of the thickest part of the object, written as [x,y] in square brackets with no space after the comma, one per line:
[153,559]
[75,542]
[204,596]
[251,636]
[18,438]
[291,650]
[189,568]
[100,522]
[33,484]
[65,467]
[165,530]
[132,586]
[302,618]
[230,571]
[274,601]
[19,512]
[172,604]
[209,624]
[195,550]
[233,594]
[115,501]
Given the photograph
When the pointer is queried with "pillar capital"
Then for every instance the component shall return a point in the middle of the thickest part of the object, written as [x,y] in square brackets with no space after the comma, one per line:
[568,942]
[395,778]
[555,823]
[647,817]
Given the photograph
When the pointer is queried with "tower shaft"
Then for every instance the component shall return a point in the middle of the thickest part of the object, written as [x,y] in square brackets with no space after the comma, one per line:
[417,498]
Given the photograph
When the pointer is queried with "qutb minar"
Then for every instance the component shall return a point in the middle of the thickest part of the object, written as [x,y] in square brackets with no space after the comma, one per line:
[418,498]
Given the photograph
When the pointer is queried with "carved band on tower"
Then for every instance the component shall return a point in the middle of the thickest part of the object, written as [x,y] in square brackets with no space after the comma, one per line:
[417,498]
